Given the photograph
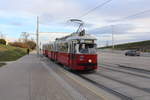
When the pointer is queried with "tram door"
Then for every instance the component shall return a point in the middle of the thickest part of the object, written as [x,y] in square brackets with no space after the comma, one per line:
[72,54]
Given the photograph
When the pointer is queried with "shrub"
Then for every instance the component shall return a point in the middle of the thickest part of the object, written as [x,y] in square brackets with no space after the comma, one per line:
[19,44]
[31,44]
[3,41]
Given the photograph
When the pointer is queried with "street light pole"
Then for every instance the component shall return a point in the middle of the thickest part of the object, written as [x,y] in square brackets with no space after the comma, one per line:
[112,36]
[37,36]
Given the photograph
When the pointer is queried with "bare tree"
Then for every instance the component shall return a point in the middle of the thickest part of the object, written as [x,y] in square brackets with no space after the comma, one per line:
[24,37]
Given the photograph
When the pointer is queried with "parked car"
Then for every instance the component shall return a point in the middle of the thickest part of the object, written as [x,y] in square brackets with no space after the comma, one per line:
[132,53]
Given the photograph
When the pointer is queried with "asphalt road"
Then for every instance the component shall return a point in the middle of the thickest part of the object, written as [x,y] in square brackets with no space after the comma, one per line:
[128,75]
[114,59]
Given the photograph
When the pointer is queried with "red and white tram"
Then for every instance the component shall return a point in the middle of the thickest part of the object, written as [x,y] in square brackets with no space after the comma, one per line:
[76,51]
[45,49]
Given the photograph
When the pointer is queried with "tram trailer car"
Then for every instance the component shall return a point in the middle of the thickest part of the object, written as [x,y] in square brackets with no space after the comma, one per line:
[45,50]
[75,51]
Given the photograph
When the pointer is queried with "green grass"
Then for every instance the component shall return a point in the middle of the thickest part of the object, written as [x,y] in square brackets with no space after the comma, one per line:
[2,64]
[10,53]
[142,46]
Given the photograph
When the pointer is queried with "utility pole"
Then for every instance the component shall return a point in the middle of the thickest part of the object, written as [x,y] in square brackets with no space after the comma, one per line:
[40,47]
[107,43]
[112,36]
[37,36]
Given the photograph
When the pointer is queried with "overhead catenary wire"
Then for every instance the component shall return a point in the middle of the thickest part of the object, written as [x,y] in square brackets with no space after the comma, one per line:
[91,10]
[139,13]
[127,17]
[133,15]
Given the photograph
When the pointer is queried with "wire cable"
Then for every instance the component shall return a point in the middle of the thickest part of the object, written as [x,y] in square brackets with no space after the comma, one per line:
[100,5]
[145,11]
[133,15]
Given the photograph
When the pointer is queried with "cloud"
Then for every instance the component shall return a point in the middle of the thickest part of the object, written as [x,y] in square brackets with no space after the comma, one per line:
[117,29]
[47,37]
[44,8]
[55,11]
[21,15]
[123,38]
[16,23]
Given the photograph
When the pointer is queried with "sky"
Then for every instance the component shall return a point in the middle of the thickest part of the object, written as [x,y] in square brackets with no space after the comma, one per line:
[17,16]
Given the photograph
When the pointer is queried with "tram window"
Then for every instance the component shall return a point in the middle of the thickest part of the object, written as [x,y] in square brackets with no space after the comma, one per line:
[87,48]
[63,47]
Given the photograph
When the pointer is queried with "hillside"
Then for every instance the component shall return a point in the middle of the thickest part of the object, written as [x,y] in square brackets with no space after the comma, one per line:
[142,46]
[10,53]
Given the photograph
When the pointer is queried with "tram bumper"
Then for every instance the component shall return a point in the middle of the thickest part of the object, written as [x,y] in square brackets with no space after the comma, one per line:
[86,66]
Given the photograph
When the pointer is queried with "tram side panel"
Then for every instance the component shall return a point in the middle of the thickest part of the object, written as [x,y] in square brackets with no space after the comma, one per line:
[49,54]
[52,55]
[55,56]
[43,52]
[63,58]
[46,53]
[74,61]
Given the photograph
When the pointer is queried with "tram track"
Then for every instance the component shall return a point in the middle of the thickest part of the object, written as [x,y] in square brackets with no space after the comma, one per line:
[137,70]
[101,86]
[125,72]
[134,69]
[109,90]
[124,83]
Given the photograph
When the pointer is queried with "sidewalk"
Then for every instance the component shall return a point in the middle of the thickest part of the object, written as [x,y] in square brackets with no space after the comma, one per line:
[27,79]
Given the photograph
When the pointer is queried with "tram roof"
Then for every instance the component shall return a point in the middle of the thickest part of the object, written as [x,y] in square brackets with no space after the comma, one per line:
[75,36]
[86,36]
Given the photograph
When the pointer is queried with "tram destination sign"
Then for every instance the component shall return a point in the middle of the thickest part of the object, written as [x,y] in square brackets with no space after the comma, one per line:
[88,41]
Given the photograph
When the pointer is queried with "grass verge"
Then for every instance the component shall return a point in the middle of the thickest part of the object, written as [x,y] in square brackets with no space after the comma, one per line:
[10,53]
[142,46]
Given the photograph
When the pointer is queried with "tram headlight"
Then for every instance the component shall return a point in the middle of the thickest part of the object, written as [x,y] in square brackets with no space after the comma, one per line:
[89,60]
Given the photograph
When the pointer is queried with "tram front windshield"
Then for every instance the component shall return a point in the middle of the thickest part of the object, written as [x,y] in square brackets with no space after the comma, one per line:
[85,48]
